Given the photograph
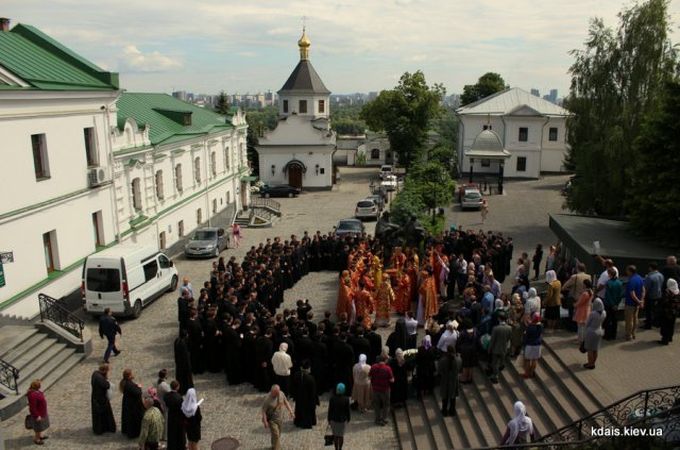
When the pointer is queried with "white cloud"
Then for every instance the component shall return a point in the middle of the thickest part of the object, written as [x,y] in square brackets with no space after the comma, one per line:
[134,60]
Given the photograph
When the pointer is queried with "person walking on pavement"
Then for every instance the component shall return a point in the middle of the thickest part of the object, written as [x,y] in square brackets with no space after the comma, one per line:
[109,328]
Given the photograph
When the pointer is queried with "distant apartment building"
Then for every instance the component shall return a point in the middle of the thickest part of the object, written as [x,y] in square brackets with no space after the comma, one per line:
[535,92]
[180,95]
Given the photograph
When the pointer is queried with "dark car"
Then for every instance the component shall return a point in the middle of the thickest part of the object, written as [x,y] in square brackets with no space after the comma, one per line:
[349,226]
[281,190]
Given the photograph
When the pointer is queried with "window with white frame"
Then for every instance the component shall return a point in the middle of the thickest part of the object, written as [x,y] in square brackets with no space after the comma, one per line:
[160,191]
[178,177]
[197,169]
[90,147]
[137,194]
[199,216]
[42,168]
[523,134]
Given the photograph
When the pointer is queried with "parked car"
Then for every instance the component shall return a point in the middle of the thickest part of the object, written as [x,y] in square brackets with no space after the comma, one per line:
[349,226]
[281,190]
[389,182]
[386,169]
[366,209]
[207,241]
[472,199]
[126,278]
[466,187]
[379,201]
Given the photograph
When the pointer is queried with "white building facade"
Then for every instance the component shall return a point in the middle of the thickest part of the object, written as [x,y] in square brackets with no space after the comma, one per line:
[299,151]
[57,202]
[168,183]
[531,129]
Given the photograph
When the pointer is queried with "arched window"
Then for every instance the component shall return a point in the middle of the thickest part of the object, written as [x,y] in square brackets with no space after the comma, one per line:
[136,194]
[375,153]
[197,169]
[178,177]
[159,185]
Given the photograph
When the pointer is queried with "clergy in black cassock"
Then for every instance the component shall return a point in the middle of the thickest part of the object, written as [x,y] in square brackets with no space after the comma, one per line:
[183,363]
[102,414]
[175,426]
[306,397]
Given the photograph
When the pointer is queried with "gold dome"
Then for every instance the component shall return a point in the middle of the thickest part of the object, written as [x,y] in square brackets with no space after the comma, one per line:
[304,43]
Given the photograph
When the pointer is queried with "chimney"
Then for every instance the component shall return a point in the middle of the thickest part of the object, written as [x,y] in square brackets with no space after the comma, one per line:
[4,24]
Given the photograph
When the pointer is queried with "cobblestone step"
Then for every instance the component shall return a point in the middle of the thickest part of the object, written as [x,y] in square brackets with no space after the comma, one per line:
[419,426]
[13,335]
[404,433]
[453,425]
[25,346]
[436,422]
[35,367]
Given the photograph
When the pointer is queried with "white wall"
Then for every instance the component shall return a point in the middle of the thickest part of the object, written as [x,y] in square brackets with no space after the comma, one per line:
[64,202]
[282,155]
[542,154]
[312,105]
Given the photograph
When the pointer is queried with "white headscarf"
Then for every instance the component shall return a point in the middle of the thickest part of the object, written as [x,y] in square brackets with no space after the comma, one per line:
[283,347]
[190,403]
[672,286]
[362,361]
[519,424]
[550,276]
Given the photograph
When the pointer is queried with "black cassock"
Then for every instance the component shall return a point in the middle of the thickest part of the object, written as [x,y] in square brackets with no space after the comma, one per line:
[211,347]
[232,355]
[306,399]
[196,345]
[176,437]
[183,366]
[132,410]
[102,414]
[264,349]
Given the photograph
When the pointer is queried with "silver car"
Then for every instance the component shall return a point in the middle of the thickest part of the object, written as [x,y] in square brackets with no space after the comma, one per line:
[366,209]
[208,241]
[472,199]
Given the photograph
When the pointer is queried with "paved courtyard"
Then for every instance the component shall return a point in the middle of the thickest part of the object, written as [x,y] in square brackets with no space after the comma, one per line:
[234,411]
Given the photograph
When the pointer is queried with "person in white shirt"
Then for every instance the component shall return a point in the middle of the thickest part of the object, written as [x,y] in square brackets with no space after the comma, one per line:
[449,337]
[281,364]
[604,276]
[411,330]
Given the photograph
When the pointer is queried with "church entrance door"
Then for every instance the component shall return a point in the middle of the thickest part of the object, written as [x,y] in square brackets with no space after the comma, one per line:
[295,176]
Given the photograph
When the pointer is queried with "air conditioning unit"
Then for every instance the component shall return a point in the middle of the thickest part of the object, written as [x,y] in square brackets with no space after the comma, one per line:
[97,176]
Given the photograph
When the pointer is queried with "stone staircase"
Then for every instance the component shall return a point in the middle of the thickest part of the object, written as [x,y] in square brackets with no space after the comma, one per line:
[555,398]
[36,353]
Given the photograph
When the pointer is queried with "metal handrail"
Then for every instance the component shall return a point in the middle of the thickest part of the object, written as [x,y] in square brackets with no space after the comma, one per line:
[9,376]
[266,203]
[51,310]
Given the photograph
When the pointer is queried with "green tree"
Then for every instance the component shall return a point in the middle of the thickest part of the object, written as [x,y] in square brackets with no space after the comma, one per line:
[487,84]
[655,191]
[432,181]
[222,104]
[616,81]
[259,122]
[405,114]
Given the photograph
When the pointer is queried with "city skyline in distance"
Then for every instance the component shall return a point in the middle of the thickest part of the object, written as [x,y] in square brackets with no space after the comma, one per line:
[250,47]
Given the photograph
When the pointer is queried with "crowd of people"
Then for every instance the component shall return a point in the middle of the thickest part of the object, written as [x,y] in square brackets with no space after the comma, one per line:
[450,287]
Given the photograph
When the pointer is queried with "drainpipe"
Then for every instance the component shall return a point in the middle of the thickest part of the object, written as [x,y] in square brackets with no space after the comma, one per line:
[111,160]
[461,144]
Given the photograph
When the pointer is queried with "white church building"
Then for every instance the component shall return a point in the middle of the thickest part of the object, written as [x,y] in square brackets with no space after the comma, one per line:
[299,151]
[531,134]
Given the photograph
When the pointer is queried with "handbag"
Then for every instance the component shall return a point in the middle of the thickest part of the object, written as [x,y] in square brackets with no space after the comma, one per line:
[328,438]
[28,422]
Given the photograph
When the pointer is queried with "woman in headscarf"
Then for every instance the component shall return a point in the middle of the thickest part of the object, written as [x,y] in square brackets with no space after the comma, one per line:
[516,312]
[306,397]
[338,415]
[520,429]
[594,332]
[668,311]
[400,372]
[448,387]
[425,366]
[361,390]
[532,346]
[532,305]
[582,309]
[192,412]
[553,299]
[133,409]
[384,299]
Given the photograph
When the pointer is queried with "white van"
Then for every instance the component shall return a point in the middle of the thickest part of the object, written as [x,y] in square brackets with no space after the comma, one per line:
[126,278]
[386,170]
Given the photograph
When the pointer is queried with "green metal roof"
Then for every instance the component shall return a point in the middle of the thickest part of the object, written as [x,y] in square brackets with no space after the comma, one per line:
[46,64]
[164,115]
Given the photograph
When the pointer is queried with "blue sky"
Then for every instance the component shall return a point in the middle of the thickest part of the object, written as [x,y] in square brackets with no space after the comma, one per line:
[357,45]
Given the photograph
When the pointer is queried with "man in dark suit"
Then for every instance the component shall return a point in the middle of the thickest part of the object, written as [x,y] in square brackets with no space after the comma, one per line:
[498,346]
[108,327]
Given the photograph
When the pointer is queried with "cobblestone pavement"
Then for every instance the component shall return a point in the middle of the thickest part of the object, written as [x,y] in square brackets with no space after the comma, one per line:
[234,411]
